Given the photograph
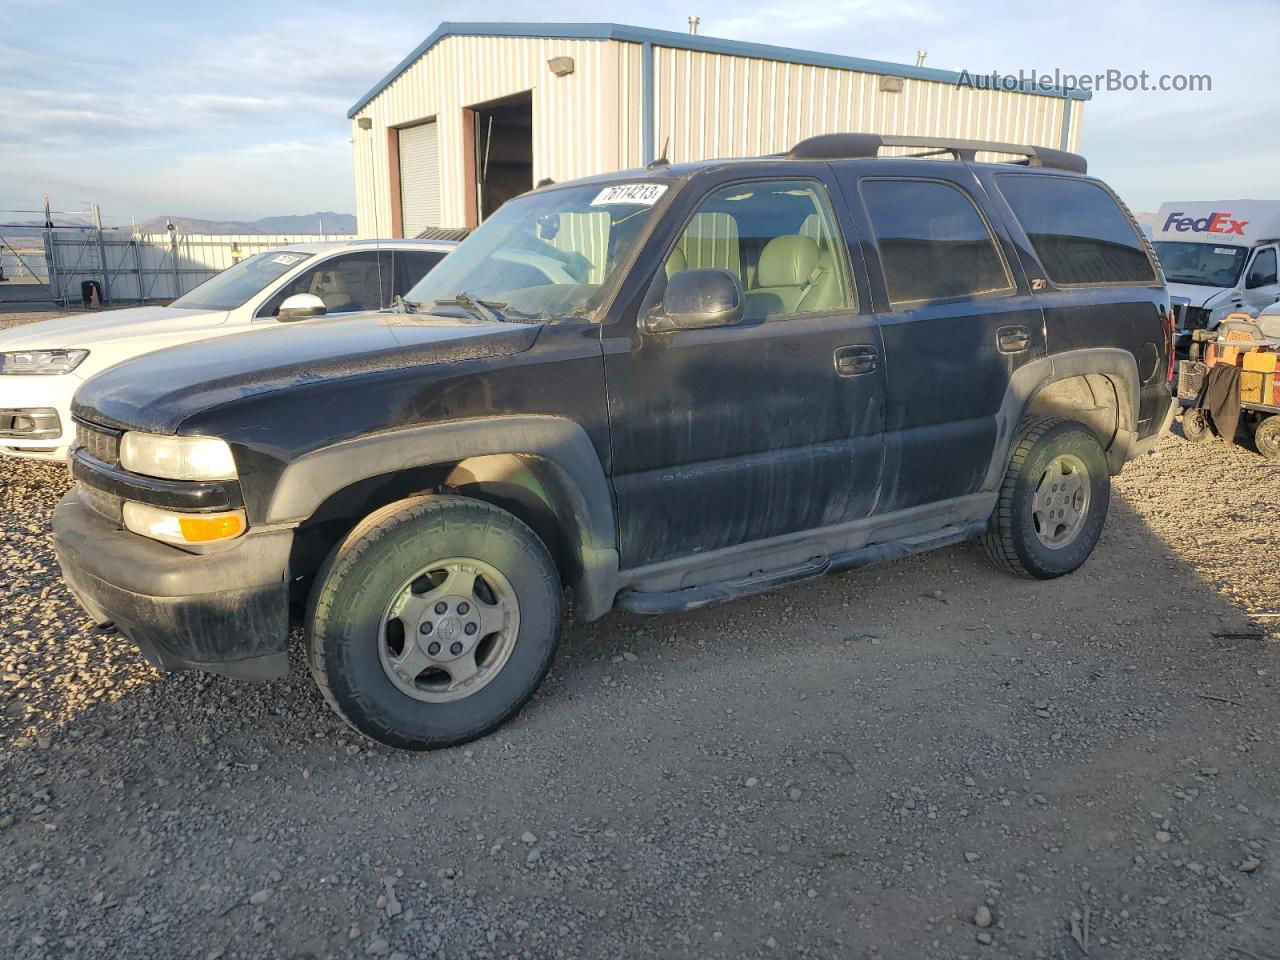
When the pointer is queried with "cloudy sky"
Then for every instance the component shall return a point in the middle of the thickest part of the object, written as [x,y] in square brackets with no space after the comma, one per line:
[237,110]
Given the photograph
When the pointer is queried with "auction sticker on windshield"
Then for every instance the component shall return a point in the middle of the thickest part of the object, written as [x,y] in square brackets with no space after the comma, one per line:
[644,194]
[287,259]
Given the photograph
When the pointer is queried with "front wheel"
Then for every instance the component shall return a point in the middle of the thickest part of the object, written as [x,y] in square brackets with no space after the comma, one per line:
[434,622]
[1053,502]
[1266,437]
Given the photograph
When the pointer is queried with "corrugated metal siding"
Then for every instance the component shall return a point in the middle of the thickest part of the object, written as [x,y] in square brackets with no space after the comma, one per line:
[714,105]
[708,104]
[575,123]
[419,178]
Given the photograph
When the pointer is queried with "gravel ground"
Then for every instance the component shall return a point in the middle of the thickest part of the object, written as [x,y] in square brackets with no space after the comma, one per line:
[926,760]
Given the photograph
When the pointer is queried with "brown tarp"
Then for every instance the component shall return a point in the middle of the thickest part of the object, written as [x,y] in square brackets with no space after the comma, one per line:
[1221,399]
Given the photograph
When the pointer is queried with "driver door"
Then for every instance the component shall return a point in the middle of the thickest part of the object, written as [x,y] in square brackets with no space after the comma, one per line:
[774,425]
[1260,281]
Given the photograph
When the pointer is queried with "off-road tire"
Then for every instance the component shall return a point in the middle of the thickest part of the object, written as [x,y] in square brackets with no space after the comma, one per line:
[349,600]
[1010,541]
[1266,437]
[1195,426]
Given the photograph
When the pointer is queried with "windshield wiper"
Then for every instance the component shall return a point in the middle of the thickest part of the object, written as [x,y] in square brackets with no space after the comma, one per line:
[403,305]
[485,310]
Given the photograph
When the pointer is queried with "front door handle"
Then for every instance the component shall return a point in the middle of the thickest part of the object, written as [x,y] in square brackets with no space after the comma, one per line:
[853,361]
[1013,339]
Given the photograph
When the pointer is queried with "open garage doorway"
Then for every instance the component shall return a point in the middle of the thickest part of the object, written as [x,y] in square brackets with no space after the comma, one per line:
[502,147]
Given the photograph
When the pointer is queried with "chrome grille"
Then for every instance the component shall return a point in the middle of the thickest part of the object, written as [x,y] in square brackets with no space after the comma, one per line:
[102,503]
[100,443]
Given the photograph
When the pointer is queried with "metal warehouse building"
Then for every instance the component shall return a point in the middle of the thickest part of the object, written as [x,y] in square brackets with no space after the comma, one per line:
[480,112]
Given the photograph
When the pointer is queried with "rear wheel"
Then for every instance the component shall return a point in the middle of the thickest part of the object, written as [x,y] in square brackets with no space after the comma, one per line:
[1195,425]
[1053,502]
[434,622]
[1267,437]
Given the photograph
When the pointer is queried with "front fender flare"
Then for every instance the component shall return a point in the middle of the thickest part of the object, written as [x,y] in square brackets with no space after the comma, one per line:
[561,447]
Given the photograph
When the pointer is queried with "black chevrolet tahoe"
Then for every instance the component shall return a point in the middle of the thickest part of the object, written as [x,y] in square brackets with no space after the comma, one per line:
[646,391]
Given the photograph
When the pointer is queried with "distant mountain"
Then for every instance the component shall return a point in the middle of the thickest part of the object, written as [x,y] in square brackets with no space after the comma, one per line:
[328,222]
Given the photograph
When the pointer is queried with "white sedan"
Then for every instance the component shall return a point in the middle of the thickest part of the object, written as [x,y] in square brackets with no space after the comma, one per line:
[43,363]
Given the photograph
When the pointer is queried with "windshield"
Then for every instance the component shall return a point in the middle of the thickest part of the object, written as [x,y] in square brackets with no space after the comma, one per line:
[1203,264]
[545,254]
[236,284]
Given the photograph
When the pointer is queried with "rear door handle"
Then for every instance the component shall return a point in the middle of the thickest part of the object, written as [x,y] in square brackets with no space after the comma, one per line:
[853,361]
[1013,339]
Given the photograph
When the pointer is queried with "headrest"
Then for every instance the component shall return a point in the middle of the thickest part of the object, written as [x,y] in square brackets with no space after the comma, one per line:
[676,262]
[788,261]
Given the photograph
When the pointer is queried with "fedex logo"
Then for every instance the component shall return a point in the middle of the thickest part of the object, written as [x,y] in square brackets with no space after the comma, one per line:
[1213,223]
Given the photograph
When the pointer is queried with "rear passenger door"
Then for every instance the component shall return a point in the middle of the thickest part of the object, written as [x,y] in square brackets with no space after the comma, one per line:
[1094,278]
[956,317]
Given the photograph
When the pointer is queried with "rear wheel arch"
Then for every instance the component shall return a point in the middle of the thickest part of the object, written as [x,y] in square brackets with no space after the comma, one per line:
[1098,387]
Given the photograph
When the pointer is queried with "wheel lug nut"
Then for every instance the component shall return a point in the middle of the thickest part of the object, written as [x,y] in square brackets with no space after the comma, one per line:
[455,648]
[463,607]
[441,607]
[426,628]
[433,649]
[470,629]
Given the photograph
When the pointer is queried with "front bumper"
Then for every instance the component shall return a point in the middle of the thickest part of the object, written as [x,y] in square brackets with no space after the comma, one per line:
[225,612]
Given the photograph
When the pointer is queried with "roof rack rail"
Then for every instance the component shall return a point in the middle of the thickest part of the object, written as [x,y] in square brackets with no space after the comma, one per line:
[834,146]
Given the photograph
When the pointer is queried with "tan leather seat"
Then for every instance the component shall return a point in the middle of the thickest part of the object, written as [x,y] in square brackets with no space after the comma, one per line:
[787,274]
[331,287]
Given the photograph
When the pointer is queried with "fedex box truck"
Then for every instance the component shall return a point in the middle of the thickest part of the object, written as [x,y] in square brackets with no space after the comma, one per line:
[1219,257]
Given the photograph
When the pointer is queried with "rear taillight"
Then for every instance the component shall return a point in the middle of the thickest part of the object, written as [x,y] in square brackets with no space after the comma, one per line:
[1169,322]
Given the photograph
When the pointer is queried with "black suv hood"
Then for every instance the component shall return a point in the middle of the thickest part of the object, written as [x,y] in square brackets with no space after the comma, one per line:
[157,391]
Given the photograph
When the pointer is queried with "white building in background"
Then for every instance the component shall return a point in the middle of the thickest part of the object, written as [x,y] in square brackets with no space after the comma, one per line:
[480,112]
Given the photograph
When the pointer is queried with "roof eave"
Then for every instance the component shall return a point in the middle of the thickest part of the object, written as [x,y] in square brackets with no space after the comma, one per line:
[681,41]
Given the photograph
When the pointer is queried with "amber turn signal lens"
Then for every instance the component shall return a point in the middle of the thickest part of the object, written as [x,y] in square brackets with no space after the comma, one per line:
[209,527]
[178,528]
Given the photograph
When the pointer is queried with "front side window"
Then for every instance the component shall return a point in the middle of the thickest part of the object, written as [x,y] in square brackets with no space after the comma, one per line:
[346,283]
[933,242]
[1201,264]
[545,254]
[1077,229]
[238,283]
[778,238]
[1263,271]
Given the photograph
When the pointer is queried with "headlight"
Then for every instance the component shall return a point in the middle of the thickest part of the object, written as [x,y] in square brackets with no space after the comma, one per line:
[26,362]
[177,458]
[171,526]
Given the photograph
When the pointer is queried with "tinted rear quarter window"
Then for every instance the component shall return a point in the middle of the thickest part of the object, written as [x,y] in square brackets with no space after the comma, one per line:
[933,243]
[1077,229]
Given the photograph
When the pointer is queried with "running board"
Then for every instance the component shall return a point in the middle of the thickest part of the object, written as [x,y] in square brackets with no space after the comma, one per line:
[691,598]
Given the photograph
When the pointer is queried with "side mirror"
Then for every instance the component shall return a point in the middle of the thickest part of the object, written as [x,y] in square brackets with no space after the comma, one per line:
[695,299]
[299,307]
[1256,280]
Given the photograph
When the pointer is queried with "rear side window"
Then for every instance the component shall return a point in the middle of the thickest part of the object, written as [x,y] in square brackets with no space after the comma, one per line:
[933,242]
[1079,232]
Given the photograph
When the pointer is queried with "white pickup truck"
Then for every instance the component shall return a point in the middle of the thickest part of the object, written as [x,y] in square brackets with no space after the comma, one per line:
[1219,257]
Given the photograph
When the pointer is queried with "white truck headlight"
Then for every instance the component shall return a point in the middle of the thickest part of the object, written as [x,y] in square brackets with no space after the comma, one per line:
[32,362]
[177,458]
